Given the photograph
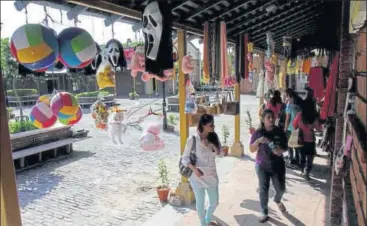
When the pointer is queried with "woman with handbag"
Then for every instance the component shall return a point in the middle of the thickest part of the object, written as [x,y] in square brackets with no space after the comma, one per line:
[199,157]
[270,142]
[306,121]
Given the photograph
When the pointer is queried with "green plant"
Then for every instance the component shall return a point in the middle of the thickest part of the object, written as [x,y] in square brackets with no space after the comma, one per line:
[225,133]
[93,94]
[248,121]
[17,127]
[22,92]
[172,119]
[163,174]
[133,94]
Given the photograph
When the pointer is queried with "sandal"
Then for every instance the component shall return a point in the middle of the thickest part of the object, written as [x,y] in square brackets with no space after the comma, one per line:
[281,207]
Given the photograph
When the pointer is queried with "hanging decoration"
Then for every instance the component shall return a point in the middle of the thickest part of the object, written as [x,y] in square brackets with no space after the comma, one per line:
[157,30]
[72,119]
[64,103]
[150,140]
[250,49]
[105,73]
[100,114]
[44,99]
[41,116]
[187,66]
[116,55]
[34,46]
[116,125]
[77,47]
[271,44]
[91,69]
[206,75]
[287,45]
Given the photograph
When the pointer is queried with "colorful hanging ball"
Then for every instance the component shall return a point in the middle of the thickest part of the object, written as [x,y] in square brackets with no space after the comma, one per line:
[72,120]
[44,99]
[34,46]
[64,103]
[77,47]
[42,116]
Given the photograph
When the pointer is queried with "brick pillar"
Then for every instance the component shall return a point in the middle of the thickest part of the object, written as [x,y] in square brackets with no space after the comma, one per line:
[345,69]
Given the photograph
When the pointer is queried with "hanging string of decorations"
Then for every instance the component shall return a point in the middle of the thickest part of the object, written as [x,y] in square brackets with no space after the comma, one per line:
[287,45]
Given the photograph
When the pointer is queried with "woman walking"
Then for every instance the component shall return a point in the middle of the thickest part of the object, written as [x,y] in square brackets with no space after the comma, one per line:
[270,142]
[291,111]
[307,122]
[204,177]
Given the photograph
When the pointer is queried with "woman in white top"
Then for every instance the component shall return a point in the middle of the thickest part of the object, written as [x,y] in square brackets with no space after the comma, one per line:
[204,176]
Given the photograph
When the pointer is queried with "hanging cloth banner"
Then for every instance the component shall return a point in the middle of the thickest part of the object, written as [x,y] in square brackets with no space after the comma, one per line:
[206,75]
[223,54]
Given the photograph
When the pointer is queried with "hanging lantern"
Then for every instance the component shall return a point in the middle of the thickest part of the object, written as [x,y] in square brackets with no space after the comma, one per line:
[250,47]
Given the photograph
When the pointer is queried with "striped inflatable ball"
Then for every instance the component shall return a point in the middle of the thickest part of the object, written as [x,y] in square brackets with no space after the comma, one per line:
[34,46]
[45,99]
[77,47]
[73,119]
[64,103]
[42,116]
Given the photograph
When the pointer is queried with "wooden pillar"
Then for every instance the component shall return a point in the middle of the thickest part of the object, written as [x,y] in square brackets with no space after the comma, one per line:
[10,212]
[184,190]
[237,149]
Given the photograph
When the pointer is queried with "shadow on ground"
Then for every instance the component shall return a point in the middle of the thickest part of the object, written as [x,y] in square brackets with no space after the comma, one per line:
[32,187]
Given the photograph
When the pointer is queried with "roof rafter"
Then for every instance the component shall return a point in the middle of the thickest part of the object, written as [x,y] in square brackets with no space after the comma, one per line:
[275,16]
[295,23]
[206,7]
[233,8]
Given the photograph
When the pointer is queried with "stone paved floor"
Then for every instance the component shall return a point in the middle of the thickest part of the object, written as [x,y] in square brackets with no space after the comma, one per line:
[306,202]
[101,183]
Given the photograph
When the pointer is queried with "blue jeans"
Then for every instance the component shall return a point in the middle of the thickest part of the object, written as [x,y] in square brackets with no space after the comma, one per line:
[278,180]
[200,203]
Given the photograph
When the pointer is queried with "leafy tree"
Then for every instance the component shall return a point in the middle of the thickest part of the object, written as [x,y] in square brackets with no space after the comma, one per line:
[9,65]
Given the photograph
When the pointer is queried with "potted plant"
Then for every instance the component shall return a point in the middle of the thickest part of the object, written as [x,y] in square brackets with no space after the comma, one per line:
[249,123]
[163,189]
[133,96]
[225,134]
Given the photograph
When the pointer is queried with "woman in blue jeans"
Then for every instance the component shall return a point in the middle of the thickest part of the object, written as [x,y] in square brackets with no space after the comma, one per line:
[204,177]
[270,142]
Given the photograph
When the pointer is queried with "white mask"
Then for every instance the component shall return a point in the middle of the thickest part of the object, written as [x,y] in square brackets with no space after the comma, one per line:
[152,29]
[113,54]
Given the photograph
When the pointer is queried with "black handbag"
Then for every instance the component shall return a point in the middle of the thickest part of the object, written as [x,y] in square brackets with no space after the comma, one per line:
[184,170]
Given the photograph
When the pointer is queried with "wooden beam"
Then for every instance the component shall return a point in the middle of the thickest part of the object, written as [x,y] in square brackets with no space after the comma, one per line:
[286,13]
[252,11]
[203,9]
[10,211]
[113,8]
[233,8]
[294,25]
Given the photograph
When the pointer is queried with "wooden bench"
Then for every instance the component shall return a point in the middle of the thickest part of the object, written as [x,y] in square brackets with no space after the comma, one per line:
[86,102]
[25,100]
[45,147]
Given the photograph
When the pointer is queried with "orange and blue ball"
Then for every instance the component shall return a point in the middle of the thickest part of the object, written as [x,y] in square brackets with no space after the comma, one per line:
[34,46]
[64,103]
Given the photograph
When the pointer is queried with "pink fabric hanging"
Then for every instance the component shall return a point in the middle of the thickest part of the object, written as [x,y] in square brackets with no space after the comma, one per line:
[328,106]
[316,82]
[223,54]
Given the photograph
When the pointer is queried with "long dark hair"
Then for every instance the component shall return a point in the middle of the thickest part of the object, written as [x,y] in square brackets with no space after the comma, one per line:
[264,113]
[276,99]
[204,120]
[214,139]
[297,100]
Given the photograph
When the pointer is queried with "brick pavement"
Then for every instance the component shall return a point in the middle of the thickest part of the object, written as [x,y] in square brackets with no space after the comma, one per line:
[306,202]
[101,183]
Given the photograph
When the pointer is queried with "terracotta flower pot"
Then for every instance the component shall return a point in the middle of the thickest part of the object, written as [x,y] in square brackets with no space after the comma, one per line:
[252,130]
[163,193]
[225,150]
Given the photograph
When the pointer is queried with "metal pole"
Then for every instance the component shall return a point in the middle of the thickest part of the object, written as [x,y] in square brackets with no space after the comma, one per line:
[165,126]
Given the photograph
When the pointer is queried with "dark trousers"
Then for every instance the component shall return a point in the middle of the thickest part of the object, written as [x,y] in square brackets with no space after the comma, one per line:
[278,180]
[308,152]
